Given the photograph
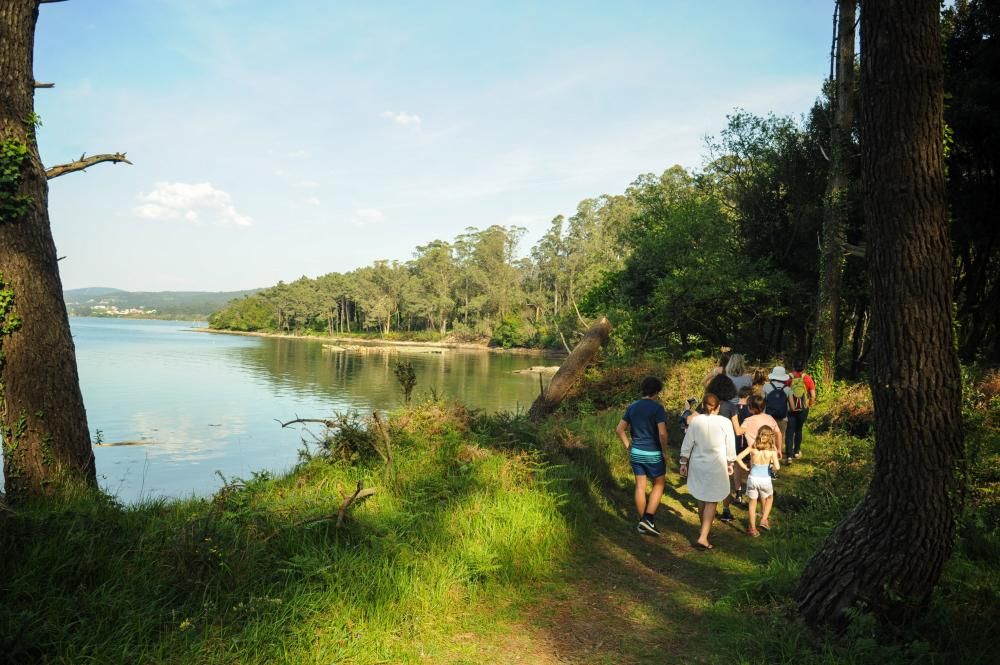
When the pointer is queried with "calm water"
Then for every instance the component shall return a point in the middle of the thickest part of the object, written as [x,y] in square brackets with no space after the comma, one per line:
[201,402]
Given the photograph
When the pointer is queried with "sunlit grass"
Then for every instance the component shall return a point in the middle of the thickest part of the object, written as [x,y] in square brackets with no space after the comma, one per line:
[489,539]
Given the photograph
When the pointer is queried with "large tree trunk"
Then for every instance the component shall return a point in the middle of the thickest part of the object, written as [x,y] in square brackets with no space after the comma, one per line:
[571,370]
[46,441]
[836,199]
[890,551]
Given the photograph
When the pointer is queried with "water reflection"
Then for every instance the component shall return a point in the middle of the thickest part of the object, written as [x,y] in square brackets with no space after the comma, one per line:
[201,402]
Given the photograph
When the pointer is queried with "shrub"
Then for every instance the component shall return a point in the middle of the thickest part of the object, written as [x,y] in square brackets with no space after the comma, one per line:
[512,331]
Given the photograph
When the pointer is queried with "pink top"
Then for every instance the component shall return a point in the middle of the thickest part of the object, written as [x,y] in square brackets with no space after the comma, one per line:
[753,424]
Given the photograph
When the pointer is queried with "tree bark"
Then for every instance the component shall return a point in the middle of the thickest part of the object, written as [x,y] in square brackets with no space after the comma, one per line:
[46,441]
[836,199]
[890,551]
[571,370]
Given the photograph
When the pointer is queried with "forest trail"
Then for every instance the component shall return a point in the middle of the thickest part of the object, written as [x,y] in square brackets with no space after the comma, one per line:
[630,599]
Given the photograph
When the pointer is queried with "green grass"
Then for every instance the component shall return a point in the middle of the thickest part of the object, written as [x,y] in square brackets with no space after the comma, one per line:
[243,578]
[489,539]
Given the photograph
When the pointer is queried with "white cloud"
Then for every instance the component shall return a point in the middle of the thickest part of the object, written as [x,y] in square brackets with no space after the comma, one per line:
[367,216]
[298,154]
[191,202]
[307,184]
[313,200]
[402,118]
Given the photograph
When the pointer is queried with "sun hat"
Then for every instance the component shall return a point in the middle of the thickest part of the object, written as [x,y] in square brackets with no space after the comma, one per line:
[778,374]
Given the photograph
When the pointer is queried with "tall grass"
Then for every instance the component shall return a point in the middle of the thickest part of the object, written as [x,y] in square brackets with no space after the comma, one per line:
[252,575]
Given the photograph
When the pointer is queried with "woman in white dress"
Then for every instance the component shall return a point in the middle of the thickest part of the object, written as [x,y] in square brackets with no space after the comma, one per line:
[707,457]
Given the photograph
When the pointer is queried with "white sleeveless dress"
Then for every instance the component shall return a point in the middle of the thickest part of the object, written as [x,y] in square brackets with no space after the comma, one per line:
[709,445]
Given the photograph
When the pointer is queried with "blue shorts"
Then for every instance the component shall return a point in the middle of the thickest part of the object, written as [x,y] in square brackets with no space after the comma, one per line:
[649,468]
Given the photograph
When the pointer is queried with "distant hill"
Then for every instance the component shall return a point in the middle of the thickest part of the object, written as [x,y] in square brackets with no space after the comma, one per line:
[185,305]
[92,292]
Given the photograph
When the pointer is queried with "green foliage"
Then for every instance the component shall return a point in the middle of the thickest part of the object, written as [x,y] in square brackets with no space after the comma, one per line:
[248,314]
[407,378]
[512,332]
[9,321]
[689,277]
[972,97]
[13,205]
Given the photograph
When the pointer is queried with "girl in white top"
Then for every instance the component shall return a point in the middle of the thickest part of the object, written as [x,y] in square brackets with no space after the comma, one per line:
[707,457]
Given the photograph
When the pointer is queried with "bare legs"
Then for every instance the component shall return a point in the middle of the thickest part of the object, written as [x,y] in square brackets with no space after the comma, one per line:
[656,494]
[641,503]
[738,480]
[640,495]
[706,511]
[752,512]
[767,510]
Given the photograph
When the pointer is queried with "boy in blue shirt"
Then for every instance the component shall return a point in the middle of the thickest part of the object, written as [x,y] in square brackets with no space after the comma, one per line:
[646,420]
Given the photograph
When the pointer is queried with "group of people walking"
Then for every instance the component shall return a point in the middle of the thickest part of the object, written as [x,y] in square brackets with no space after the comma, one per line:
[742,417]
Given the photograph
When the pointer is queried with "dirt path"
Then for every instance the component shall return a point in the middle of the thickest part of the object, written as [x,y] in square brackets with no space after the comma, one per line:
[637,599]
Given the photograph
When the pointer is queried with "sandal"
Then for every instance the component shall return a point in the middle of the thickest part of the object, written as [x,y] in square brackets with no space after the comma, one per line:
[753,533]
[765,525]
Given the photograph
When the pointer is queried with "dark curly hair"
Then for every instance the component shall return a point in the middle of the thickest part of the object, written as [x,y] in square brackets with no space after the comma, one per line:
[722,387]
[650,386]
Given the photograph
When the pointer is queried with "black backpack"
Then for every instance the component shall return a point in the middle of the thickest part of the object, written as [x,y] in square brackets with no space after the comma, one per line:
[776,402]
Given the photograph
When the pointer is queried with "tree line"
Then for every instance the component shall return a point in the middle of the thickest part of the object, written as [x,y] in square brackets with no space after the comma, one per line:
[730,254]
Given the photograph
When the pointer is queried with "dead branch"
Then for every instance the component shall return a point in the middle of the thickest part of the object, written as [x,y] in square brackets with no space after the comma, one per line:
[583,321]
[360,494]
[565,345]
[329,423]
[383,433]
[44,85]
[83,163]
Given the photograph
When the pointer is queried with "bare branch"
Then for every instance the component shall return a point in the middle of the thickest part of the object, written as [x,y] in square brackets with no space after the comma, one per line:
[83,163]
[384,435]
[328,423]
[360,494]
[44,85]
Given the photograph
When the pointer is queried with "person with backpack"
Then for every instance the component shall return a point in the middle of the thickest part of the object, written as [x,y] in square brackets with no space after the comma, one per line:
[803,396]
[778,400]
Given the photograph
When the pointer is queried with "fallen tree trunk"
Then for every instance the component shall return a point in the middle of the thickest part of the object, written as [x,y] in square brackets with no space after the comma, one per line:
[571,370]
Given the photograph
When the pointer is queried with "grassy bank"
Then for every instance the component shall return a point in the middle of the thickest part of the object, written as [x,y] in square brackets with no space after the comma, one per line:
[488,540]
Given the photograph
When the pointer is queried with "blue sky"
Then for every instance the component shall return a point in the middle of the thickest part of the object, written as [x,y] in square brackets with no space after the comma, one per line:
[272,140]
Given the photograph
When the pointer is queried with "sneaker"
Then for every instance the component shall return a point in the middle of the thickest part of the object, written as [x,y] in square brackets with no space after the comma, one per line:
[798,455]
[647,527]
[726,516]
[740,499]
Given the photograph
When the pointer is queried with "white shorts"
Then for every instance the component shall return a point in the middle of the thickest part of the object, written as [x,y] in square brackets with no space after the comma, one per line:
[759,487]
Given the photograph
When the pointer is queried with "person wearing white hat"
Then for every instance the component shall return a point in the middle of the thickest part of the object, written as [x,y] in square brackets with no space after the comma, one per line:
[778,399]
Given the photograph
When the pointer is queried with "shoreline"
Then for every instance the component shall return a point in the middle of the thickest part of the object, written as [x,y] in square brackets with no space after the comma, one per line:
[389,343]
